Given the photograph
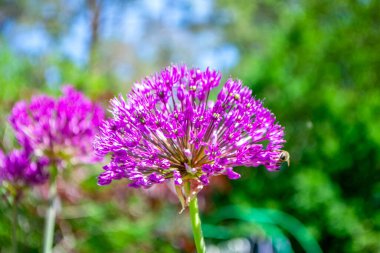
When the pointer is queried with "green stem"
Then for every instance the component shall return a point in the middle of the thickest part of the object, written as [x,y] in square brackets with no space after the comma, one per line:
[196,225]
[50,217]
[14,226]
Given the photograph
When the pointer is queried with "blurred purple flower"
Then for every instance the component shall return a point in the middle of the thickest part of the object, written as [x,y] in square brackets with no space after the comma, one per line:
[61,129]
[169,129]
[19,170]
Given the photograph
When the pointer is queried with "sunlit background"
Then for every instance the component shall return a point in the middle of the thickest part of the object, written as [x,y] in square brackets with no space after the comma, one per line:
[314,63]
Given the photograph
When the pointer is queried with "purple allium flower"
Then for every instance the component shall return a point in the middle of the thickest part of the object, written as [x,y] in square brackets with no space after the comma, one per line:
[61,129]
[169,129]
[18,169]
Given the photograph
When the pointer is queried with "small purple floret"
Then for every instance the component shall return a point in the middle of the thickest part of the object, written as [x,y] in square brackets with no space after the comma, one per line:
[167,128]
[19,170]
[62,129]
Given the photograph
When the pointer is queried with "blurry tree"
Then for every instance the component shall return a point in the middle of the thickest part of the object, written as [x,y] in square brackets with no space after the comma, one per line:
[122,38]
[55,16]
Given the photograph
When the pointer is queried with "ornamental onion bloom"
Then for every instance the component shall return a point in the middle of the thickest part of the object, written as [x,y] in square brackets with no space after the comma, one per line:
[18,169]
[168,129]
[61,129]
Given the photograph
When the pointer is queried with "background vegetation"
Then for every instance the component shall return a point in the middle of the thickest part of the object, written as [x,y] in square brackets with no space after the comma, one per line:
[315,62]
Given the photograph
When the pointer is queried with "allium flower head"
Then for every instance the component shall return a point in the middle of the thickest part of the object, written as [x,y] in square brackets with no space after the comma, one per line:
[17,169]
[169,129]
[61,129]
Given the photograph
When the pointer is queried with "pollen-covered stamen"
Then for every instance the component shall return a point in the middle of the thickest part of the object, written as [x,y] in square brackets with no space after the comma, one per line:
[188,154]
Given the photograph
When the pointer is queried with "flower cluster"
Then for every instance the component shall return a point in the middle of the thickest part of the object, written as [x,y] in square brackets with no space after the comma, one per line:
[169,129]
[61,129]
[18,169]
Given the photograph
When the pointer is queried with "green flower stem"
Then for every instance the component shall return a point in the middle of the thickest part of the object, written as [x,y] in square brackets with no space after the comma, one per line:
[196,225]
[14,226]
[50,217]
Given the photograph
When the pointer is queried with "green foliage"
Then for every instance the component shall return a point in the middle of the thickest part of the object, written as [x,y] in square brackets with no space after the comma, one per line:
[273,224]
[316,64]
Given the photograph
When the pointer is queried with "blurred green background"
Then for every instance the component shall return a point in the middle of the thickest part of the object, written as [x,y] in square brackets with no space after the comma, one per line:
[315,63]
